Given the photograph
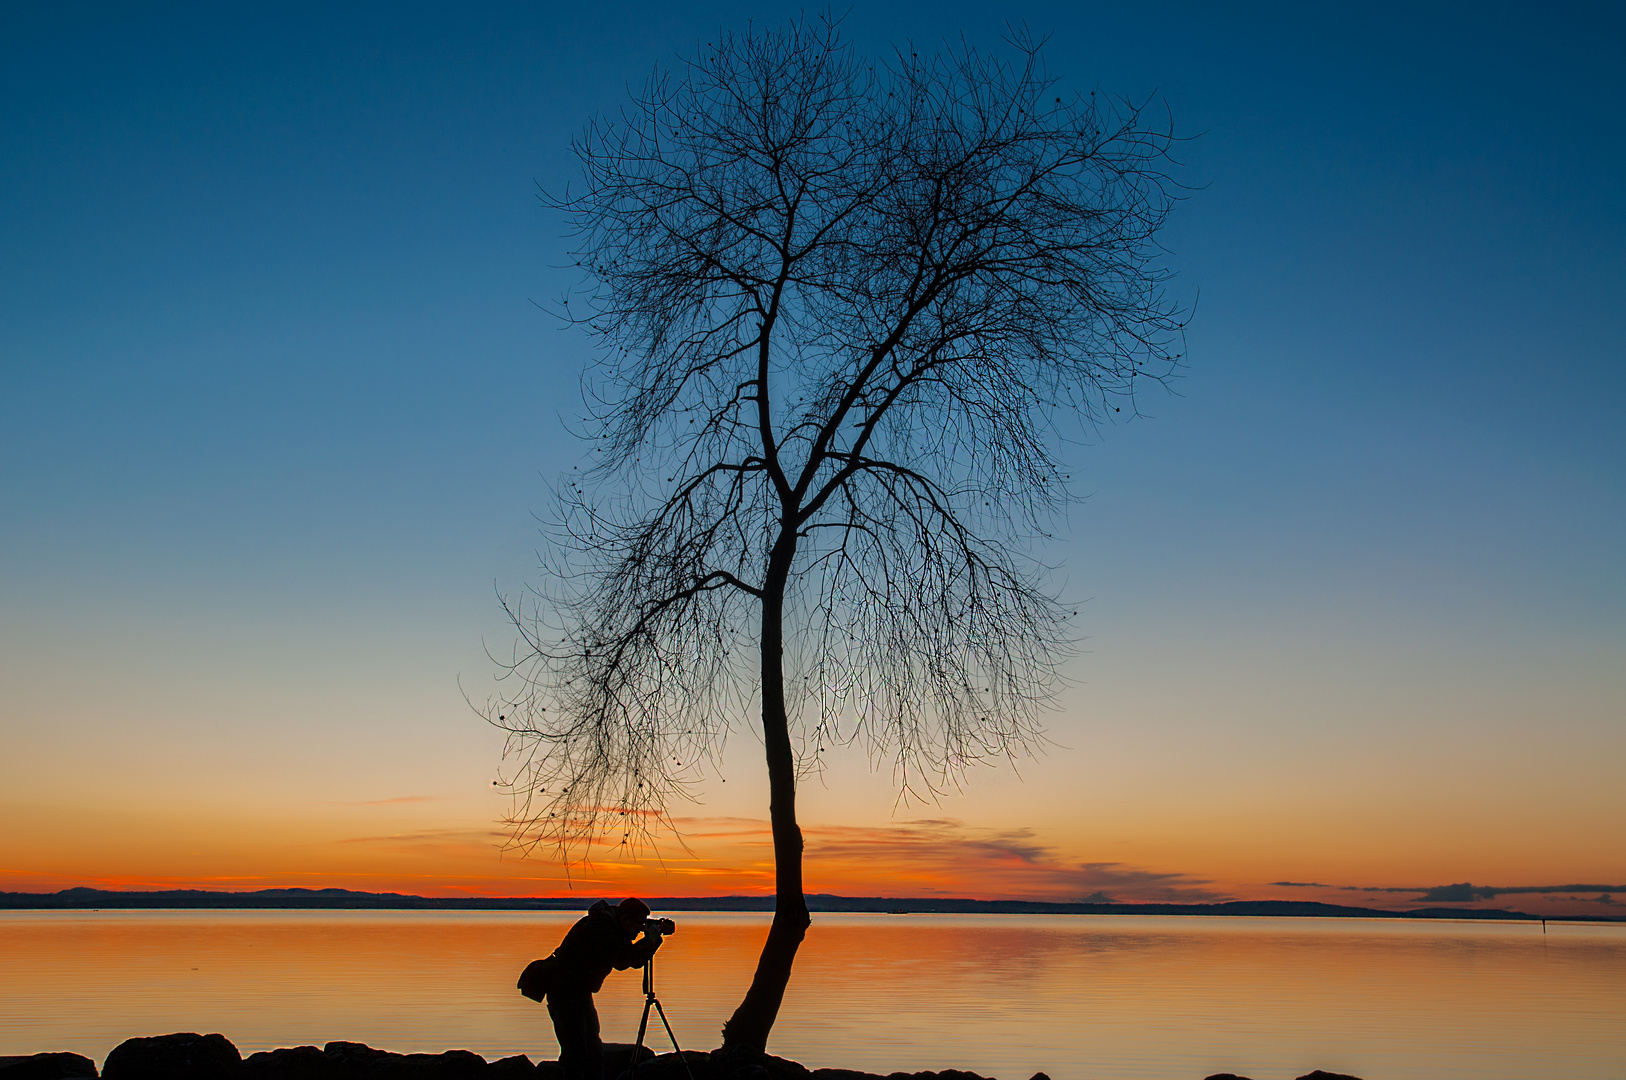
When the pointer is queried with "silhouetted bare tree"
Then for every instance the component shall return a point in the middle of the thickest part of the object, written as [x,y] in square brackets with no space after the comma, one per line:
[840,306]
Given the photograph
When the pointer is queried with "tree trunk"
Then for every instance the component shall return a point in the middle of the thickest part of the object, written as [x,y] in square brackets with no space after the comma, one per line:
[751,1022]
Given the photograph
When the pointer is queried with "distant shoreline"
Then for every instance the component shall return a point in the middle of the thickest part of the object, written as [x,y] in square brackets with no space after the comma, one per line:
[349,900]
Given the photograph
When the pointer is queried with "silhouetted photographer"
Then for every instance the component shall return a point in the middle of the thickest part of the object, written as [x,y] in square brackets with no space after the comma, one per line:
[605,939]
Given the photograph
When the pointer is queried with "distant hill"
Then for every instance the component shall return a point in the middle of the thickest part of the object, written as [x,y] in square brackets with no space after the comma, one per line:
[346,899]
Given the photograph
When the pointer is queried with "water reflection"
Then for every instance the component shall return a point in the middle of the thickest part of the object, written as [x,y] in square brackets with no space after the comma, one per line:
[1107,997]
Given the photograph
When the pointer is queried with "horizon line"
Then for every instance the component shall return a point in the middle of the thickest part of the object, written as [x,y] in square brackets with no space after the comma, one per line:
[748,903]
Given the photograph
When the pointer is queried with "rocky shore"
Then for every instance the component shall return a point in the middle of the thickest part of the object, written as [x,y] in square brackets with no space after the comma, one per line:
[189,1056]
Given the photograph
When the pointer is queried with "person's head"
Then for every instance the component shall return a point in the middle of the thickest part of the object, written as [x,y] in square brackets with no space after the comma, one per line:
[631,913]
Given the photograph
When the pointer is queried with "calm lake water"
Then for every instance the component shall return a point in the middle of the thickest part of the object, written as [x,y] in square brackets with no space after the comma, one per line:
[1080,997]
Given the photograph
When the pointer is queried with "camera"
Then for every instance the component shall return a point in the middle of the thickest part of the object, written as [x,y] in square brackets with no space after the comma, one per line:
[661,926]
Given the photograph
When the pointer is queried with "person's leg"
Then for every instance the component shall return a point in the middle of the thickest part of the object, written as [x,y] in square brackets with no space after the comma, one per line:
[592,1047]
[571,1013]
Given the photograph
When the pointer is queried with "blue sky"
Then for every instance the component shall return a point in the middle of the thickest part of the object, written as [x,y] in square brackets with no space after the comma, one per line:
[276,406]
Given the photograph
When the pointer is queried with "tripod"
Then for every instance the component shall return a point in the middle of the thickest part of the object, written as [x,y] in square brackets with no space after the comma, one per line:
[643,1025]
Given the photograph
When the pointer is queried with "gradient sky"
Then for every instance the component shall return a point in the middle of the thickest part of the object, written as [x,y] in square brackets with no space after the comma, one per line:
[276,407]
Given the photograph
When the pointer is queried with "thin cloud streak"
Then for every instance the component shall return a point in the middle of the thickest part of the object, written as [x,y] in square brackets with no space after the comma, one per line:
[485,839]
[1463,892]
[945,857]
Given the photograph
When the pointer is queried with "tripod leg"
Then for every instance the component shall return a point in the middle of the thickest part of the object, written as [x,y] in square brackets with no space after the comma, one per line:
[643,1025]
[673,1037]
[668,1024]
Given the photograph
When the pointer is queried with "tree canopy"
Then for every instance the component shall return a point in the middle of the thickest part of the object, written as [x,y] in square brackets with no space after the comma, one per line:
[842,308]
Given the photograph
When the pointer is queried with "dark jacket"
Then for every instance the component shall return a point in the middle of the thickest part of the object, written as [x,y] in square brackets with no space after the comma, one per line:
[596,945]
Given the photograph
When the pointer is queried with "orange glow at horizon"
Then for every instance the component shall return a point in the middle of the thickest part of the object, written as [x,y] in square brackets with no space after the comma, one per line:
[934,857]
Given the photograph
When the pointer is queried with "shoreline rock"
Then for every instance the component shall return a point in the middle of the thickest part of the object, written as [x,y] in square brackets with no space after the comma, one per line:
[170,1057]
[190,1056]
[1317,1075]
[50,1066]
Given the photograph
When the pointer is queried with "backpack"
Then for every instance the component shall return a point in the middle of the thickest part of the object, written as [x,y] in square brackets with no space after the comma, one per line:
[538,977]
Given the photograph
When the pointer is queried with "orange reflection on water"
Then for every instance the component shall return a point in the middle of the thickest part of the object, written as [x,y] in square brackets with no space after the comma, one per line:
[1076,996]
